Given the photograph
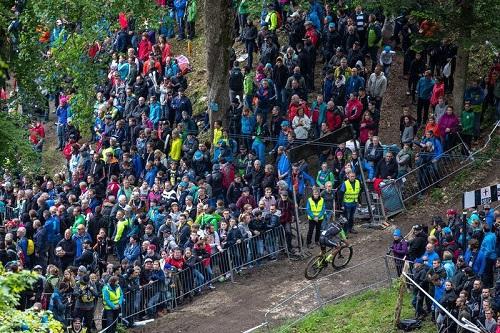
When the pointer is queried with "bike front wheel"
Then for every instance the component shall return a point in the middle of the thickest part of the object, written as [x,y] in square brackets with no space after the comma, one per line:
[342,257]
[314,267]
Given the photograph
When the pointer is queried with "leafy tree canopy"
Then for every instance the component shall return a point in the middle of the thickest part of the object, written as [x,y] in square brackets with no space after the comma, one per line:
[13,320]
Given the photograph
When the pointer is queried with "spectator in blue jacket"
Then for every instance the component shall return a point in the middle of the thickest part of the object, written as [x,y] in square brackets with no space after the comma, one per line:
[53,227]
[181,103]
[424,93]
[133,250]
[298,179]
[247,127]
[488,249]
[180,9]
[154,111]
[80,237]
[436,143]
[354,82]
[58,303]
[430,255]
[62,113]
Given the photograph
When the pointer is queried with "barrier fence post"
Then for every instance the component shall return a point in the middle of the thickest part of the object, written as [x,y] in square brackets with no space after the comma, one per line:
[317,294]
[387,269]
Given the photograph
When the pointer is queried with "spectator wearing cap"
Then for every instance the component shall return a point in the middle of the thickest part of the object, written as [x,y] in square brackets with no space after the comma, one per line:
[330,40]
[399,248]
[417,246]
[355,55]
[283,136]
[87,257]
[246,198]
[420,277]
[85,295]
[386,59]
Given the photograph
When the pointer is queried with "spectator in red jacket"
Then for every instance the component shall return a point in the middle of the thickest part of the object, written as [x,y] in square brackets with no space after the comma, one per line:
[145,48]
[333,117]
[353,111]
[311,33]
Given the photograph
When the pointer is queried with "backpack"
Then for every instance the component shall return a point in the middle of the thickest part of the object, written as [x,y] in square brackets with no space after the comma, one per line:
[86,295]
[31,247]
[409,324]
[235,80]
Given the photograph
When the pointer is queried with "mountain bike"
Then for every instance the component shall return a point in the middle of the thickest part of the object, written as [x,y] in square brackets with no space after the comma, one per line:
[339,256]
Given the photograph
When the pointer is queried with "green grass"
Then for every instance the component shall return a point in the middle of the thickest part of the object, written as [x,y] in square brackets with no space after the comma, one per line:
[370,312]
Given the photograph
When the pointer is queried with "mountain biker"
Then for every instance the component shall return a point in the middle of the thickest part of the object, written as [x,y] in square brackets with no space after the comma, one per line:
[332,236]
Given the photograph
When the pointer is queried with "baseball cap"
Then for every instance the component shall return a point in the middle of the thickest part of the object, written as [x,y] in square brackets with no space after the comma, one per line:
[419,261]
[148,260]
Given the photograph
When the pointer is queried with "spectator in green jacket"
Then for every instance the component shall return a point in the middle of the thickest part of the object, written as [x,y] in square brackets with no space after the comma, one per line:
[324,175]
[191,19]
[467,123]
[243,11]
[248,87]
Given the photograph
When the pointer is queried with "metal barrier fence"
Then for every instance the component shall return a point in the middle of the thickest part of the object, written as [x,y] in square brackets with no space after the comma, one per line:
[182,285]
[425,176]
[8,213]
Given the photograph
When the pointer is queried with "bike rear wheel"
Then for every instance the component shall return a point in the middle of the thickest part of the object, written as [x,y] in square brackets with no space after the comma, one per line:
[342,257]
[314,267]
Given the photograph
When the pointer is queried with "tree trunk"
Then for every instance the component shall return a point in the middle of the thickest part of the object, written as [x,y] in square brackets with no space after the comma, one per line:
[460,77]
[219,39]
[466,19]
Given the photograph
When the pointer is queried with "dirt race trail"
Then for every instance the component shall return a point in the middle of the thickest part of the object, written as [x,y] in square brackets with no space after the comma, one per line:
[236,307]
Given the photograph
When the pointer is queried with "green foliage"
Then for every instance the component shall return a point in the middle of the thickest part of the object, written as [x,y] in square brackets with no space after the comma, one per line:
[16,152]
[437,194]
[369,312]
[68,66]
[13,320]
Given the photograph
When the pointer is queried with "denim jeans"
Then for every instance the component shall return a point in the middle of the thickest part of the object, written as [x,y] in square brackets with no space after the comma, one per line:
[180,26]
[271,245]
[61,136]
[349,211]
[198,277]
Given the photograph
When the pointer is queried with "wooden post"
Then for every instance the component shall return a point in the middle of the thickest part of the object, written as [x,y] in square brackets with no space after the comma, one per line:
[399,302]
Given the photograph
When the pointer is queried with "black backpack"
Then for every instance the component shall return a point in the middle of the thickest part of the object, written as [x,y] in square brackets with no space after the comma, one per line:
[235,80]
[408,325]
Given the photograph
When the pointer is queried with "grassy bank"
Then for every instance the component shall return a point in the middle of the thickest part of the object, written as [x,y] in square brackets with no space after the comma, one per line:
[370,312]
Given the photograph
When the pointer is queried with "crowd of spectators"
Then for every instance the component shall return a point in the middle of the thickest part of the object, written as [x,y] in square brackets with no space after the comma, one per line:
[464,280]
[146,198]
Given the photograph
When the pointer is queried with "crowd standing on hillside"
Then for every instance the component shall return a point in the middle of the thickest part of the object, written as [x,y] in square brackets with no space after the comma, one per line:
[147,197]
[464,280]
